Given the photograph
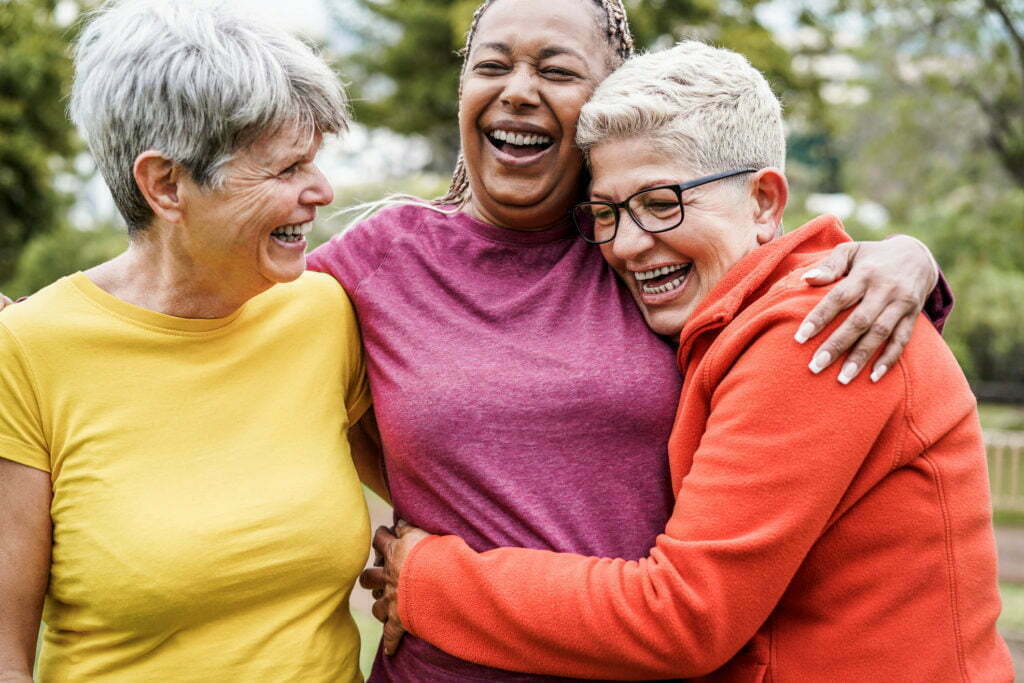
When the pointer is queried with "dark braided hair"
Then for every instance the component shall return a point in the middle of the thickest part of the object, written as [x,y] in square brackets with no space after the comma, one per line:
[616,26]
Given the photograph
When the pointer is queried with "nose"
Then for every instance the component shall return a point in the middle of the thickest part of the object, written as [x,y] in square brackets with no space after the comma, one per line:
[630,240]
[520,89]
[318,191]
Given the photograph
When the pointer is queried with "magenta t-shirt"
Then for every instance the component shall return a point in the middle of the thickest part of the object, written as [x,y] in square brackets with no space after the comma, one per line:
[521,398]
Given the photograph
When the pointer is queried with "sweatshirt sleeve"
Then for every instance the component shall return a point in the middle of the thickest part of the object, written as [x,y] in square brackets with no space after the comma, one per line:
[779,452]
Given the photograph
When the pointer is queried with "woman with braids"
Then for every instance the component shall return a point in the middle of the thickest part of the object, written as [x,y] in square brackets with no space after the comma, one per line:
[521,399]
[820,532]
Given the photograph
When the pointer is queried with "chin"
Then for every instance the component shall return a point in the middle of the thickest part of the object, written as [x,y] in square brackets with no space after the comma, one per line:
[281,272]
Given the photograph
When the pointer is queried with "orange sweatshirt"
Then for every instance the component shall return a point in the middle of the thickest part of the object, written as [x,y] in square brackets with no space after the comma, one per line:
[820,532]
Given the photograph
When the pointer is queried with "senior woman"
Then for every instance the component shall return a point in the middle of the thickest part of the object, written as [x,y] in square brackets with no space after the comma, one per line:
[521,399]
[174,472]
[819,532]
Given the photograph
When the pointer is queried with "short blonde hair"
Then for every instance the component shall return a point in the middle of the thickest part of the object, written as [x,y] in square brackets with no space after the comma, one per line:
[707,105]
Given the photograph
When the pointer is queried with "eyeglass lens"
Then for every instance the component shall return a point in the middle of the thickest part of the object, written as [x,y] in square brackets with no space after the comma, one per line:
[654,210]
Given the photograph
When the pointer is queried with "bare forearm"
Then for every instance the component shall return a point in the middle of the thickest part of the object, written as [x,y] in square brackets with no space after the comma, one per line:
[367,455]
[25,539]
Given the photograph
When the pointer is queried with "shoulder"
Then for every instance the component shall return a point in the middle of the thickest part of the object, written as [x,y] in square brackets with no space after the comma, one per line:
[45,311]
[354,254]
[313,295]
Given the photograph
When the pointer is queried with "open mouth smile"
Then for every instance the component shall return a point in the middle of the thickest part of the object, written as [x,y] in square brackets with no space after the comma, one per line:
[292,234]
[662,283]
[520,145]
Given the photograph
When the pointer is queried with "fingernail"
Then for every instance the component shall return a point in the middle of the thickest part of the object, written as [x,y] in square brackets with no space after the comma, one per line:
[847,373]
[804,333]
[819,361]
[812,273]
[879,372]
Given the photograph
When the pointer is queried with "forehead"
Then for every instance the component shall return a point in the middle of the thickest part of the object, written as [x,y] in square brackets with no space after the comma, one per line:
[282,144]
[621,167]
[535,24]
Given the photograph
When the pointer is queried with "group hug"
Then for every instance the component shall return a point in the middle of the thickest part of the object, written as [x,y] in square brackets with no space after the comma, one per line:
[630,427]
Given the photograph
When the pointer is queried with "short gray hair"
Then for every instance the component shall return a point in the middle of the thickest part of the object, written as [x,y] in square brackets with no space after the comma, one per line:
[707,105]
[196,82]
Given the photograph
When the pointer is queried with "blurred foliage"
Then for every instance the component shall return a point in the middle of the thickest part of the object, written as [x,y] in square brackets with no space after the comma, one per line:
[938,138]
[62,251]
[35,135]
[965,58]
[405,74]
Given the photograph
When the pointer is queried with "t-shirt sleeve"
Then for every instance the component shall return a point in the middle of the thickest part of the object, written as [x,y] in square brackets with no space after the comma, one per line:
[352,256]
[357,389]
[939,304]
[21,433]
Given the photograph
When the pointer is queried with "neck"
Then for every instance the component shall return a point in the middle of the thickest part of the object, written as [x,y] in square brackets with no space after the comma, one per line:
[529,221]
[154,275]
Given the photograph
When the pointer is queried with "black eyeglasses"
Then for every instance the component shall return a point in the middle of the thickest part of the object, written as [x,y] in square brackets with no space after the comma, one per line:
[655,209]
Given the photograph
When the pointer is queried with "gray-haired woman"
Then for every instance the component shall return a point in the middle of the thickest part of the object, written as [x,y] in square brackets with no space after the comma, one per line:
[174,472]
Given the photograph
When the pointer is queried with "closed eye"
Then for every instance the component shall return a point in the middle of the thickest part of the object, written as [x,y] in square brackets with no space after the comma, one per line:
[559,73]
[490,68]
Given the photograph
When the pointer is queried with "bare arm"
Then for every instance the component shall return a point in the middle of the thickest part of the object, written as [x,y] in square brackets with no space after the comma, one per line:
[364,439]
[25,540]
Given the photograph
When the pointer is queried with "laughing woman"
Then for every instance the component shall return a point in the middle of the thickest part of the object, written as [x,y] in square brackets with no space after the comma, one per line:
[175,480]
[522,400]
[819,532]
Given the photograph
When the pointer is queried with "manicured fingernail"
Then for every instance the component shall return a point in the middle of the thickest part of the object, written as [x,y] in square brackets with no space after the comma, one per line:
[819,361]
[879,372]
[847,373]
[804,333]
[812,273]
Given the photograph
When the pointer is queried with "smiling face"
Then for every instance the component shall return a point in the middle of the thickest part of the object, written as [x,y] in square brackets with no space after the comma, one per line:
[532,66]
[670,273]
[251,230]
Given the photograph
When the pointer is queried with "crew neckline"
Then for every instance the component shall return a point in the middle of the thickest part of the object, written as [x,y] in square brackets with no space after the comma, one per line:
[559,231]
[144,316]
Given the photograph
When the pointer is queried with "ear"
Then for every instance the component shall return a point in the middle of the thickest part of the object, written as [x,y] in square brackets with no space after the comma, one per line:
[157,178]
[770,192]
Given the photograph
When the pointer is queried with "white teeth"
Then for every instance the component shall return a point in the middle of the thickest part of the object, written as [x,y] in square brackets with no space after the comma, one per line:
[657,272]
[667,287]
[521,139]
[292,233]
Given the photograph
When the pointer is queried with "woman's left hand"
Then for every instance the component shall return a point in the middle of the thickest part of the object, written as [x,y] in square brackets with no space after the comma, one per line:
[891,280]
[392,549]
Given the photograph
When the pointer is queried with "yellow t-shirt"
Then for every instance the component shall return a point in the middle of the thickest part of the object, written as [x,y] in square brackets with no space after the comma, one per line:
[208,521]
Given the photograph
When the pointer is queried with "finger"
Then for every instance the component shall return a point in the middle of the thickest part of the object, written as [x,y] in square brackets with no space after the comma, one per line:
[380,611]
[856,325]
[403,528]
[842,296]
[377,593]
[899,340]
[382,540]
[835,265]
[393,633]
[878,333]
[4,302]
[373,578]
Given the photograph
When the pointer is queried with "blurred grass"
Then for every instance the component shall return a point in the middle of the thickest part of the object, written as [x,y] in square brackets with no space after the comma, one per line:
[1012,617]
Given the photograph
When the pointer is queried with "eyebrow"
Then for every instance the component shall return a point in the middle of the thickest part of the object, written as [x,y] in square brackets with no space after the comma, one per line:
[600,196]
[545,53]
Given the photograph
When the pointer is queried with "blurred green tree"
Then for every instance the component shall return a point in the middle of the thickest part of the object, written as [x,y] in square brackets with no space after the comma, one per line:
[937,136]
[35,135]
[949,67]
